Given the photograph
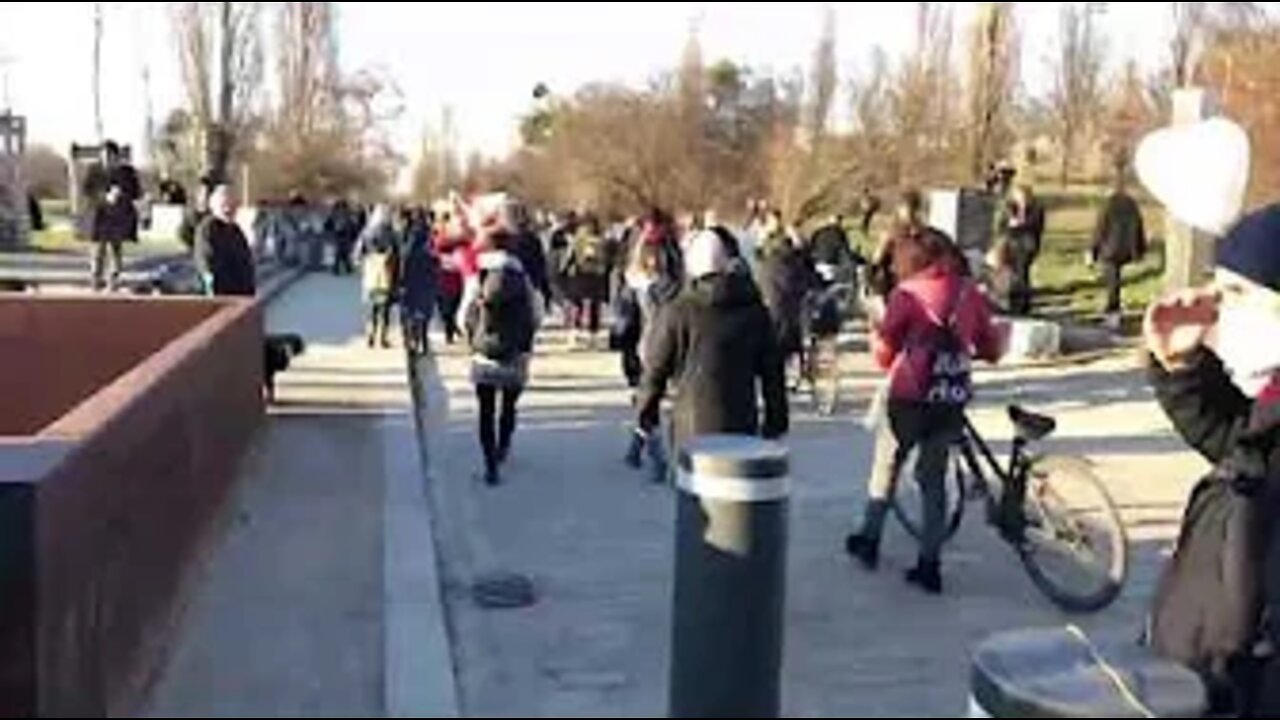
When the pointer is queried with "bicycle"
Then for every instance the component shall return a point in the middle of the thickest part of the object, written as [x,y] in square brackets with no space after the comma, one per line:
[1053,510]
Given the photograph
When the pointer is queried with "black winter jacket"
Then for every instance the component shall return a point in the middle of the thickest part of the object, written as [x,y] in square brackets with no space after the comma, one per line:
[717,344]
[1121,236]
[786,278]
[1220,595]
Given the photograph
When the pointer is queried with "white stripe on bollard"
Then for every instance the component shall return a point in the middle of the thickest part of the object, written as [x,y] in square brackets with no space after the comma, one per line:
[976,710]
[739,490]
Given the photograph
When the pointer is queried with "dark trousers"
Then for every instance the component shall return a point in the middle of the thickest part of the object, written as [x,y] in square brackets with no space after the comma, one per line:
[933,430]
[632,366]
[107,255]
[342,263]
[586,315]
[496,430]
[1021,292]
[449,305]
[416,332]
[1113,276]
[379,320]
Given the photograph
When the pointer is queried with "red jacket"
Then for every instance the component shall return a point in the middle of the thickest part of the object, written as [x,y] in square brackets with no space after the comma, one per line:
[457,262]
[901,342]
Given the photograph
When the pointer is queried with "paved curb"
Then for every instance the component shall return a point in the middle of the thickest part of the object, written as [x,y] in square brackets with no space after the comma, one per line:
[420,677]
[276,284]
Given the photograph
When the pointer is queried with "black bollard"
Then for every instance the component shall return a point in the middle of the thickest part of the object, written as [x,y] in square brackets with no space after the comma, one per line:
[1063,674]
[730,578]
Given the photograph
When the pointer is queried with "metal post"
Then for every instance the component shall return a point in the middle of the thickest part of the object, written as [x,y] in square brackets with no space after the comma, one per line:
[1064,674]
[730,578]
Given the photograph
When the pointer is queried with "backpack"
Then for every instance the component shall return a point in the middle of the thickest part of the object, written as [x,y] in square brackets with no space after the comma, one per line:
[825,316]
[950,379]
[1209,605]
[501,322]
[589,255]
[379,272]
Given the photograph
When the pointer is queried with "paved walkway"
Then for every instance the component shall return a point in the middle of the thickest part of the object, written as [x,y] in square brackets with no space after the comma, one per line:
[598,542]
[321,599]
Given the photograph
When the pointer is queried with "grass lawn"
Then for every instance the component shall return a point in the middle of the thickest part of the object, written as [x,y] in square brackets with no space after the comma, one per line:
[60,238]
[1067,287]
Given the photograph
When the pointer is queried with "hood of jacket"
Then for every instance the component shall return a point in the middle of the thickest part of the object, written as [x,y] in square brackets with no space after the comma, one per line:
[732,289]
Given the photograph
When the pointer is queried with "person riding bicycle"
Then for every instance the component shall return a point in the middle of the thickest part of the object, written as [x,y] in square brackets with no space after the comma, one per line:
[936,322]
[1216,371]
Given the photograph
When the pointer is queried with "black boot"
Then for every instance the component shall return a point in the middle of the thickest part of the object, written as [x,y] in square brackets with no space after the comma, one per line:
[492,477]
[865,550]
[927,575]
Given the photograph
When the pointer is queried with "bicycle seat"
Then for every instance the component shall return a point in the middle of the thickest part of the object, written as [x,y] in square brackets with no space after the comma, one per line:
[1031,426]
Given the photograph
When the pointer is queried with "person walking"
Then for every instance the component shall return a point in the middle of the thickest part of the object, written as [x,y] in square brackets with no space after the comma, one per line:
[343,228]
[112,191]
[786,278]
[1119,239]
[832,252]
[716,343]
[501,313]
[380,259]
[586,270]
[936,322]
[451,249]
[869,206]
[419,280]
[647,288]
[559,240]
[1023,227]
[528,249]
[223,258]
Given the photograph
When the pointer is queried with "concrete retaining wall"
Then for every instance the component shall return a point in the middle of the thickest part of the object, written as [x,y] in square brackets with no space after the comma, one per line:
[104,507]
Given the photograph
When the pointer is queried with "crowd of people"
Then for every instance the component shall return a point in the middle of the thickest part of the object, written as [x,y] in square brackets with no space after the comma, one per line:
[708,317]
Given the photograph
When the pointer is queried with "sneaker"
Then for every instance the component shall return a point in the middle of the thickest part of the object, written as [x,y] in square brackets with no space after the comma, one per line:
[927,576]
[865,550]
[492,478]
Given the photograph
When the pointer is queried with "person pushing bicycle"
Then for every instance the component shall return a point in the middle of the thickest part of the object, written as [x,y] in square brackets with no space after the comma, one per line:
[936,321]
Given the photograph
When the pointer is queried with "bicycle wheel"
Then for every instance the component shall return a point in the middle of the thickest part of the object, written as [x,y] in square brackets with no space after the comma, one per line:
[908,501]
[1074,545]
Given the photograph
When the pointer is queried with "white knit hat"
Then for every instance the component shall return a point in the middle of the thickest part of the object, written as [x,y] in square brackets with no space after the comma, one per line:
[705,255]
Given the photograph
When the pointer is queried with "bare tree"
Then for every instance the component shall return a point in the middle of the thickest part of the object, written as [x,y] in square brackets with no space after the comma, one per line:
[1195,25]
[1129,115]
[1243,65]
[326,136]
[233,30]
[823,79]
[45,172]
[307,66]
[1077,95]
[438,169]
[994,49]
[921,101]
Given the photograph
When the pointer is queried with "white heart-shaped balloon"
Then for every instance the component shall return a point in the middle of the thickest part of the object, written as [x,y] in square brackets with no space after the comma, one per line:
[1199,172]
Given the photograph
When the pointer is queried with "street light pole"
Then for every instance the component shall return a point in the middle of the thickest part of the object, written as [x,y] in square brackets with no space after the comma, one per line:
[97,70]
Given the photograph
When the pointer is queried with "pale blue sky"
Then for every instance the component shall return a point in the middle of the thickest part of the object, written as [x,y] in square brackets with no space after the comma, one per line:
[483,58]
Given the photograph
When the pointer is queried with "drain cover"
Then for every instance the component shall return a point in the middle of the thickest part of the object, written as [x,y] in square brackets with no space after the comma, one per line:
[504,591]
